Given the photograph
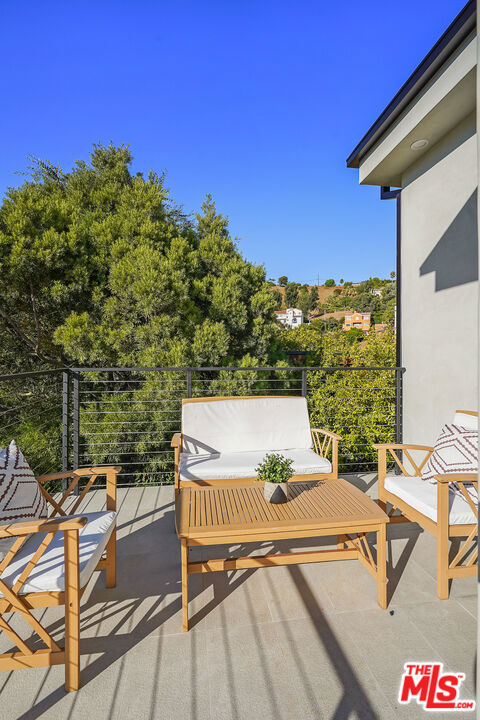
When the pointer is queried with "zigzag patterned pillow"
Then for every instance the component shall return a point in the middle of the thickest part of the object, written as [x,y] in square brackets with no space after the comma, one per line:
[20,494]
[455,451]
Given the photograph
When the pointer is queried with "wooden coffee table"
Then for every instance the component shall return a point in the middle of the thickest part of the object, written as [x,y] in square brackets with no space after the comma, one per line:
[221,515]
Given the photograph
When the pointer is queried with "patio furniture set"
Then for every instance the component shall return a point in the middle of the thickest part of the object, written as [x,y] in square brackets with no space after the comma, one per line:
[52,552]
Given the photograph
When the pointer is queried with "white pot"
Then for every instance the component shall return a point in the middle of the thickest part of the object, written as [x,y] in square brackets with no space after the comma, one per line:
[276,492]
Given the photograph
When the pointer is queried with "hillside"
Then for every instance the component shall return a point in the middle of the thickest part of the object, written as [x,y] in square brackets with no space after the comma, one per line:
[374,295]
[323,292]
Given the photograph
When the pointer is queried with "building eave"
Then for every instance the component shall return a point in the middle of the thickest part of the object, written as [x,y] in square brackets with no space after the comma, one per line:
[452,38]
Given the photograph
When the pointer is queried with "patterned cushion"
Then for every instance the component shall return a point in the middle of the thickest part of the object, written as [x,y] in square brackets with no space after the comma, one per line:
[455,451]
[20,494]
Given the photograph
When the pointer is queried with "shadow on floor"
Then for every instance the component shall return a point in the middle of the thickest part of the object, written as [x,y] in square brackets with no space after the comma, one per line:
[164,582]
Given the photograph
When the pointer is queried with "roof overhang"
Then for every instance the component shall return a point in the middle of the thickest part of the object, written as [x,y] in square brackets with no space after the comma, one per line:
[448,48]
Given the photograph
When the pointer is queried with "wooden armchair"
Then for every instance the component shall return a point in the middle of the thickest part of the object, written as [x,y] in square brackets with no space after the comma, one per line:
[433,507]
[50,563]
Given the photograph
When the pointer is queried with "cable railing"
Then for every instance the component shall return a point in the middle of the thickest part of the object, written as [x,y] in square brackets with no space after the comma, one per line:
[77,417]
[31,413]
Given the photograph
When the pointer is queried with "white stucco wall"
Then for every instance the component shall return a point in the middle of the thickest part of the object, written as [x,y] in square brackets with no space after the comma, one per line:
[439,323]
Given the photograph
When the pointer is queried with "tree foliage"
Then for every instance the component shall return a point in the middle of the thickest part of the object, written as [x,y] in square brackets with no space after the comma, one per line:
[99,266]
[291,294]
[359,405]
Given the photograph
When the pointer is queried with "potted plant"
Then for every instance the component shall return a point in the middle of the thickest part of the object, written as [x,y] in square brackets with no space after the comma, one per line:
[275,471]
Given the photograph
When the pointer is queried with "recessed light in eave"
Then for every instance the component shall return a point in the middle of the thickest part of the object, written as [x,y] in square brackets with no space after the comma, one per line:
[419,144]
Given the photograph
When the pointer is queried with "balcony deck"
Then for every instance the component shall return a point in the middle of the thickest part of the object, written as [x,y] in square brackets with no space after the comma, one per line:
[291,642]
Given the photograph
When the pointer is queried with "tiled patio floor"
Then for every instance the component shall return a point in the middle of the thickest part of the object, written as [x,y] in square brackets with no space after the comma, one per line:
[290,643]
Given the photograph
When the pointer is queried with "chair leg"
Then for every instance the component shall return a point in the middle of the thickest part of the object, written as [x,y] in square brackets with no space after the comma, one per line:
[442,540]
[184,554]
[111,561]
[442,568]
[72,612]
[382,566]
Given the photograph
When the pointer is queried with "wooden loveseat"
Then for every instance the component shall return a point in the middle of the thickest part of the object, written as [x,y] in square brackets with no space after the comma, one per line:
[449,516]
[223,439]
[49,562]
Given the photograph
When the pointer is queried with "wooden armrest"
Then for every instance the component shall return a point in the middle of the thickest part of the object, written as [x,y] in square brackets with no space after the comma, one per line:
[328,433]
[460,477]
[82,472]
[401,446]
[176,440]
[44,526]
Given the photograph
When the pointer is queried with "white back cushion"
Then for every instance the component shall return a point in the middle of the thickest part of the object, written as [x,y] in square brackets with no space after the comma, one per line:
[463,419]
[245,424]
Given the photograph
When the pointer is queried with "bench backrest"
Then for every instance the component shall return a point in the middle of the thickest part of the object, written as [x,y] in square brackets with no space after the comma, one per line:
[242,424]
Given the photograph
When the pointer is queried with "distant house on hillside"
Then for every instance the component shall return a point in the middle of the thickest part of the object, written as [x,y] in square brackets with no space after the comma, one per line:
[361,321]
[291,317]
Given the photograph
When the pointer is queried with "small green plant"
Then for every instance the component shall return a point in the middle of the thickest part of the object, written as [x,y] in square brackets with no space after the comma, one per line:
[274,468]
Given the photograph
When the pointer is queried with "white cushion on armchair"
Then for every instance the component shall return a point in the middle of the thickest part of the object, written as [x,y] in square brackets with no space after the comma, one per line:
[48,575]
[422,495]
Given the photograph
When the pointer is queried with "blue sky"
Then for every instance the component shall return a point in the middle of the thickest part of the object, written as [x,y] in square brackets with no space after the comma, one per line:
[256,102]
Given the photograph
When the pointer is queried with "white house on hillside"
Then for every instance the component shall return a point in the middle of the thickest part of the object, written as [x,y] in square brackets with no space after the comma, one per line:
[291,317]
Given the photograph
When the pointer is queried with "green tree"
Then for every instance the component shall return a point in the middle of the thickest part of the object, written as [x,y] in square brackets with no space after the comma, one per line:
[291,294]
[358,405]
[283,280]
[365,302]
[99,266]
[306,338]
[303,301]
[278,299]
[341,281]
[354,335]
[330,282]
[314,297]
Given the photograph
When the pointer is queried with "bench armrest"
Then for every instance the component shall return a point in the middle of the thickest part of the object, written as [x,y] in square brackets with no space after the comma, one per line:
[328,433]
[48,525]
[323,447]
[176,440]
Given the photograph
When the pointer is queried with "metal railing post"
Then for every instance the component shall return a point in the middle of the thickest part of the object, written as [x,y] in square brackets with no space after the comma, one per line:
[398,406]
[76,420]
[304,383]
[189,383]
[65,422]
[398,415]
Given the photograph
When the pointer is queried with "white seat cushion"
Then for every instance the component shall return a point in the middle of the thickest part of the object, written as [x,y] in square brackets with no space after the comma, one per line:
[49,572]
[224,425]
[422,496]
[231,465]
